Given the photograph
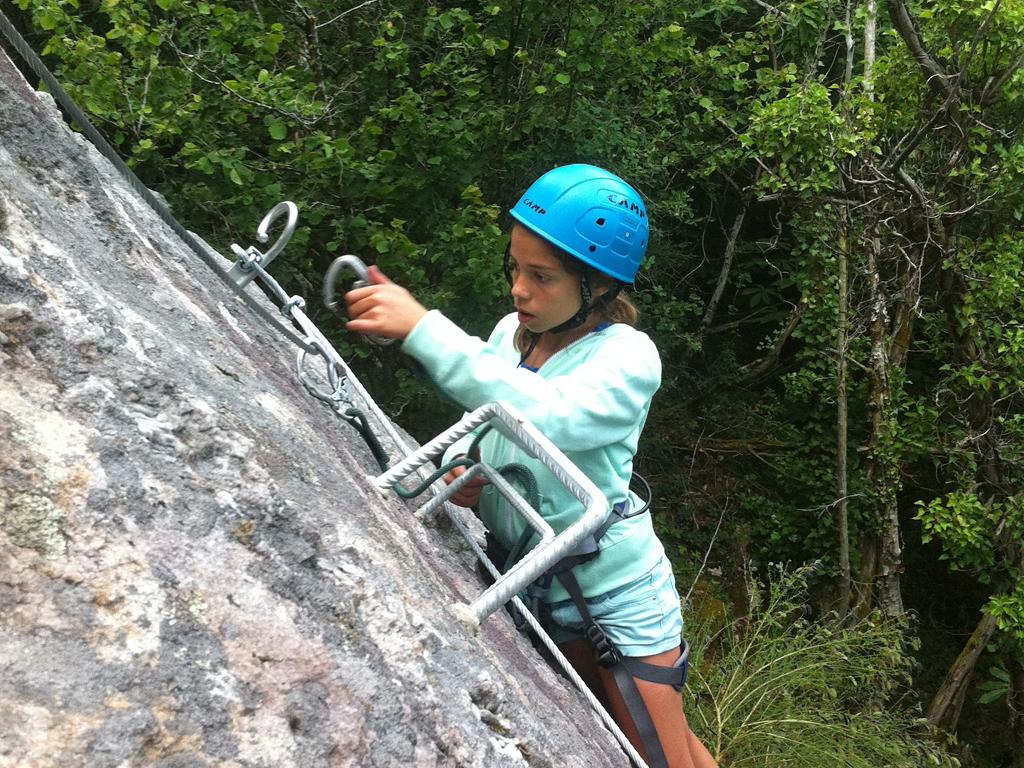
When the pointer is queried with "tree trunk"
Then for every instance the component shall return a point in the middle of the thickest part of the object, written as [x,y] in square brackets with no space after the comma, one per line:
[944,711]
[890,595]
[881,556]
[886,557]
[842,419]
[870,32]
[842,344]
[868,547]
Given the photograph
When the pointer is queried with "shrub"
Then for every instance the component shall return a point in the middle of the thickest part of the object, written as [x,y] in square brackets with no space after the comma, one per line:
[780,690]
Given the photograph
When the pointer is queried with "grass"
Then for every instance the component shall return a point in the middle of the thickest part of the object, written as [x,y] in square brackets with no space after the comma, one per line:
[779,690]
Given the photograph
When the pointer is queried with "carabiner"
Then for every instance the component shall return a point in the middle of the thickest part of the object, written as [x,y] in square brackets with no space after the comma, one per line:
[339,394]
[362,280]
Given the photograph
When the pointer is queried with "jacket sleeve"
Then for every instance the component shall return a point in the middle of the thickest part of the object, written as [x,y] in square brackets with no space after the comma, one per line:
[461,446]
[599,402]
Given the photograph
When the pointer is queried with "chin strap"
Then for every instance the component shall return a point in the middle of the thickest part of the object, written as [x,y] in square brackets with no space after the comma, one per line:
[587,306]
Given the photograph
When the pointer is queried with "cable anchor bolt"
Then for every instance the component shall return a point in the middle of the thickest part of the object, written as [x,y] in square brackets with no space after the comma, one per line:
[244,270]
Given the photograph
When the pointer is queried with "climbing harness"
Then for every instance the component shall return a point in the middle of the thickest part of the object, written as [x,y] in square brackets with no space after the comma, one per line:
[345,388]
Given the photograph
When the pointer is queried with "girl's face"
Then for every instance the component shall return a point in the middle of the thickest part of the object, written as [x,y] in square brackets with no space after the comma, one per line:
[544,293]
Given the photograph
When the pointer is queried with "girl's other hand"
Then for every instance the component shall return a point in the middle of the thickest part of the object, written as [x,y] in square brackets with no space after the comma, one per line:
[383,308]
[469,494]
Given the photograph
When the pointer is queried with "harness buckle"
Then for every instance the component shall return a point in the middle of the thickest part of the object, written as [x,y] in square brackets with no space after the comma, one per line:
[607,654]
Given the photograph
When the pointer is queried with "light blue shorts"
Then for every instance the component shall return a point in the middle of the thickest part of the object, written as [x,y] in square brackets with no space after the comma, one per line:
[641,618]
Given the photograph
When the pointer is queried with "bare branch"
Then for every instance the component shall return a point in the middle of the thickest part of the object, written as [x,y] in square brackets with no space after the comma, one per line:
[723,276]
[918,136]
[761,366]
[711,544]
[982,28]
[343,14]
[754,318]
[772,9]
[993,86]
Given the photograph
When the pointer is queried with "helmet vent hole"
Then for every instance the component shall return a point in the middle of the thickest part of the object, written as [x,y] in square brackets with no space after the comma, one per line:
[600,222]
[593,248]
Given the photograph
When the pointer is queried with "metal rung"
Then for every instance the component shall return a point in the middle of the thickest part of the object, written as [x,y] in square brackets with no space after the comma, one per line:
[550,550]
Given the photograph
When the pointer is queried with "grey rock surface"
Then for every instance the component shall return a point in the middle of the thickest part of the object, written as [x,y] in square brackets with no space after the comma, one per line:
[194,569]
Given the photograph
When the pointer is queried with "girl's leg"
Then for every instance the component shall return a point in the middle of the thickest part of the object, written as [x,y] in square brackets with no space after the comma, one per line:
[665,705]
[699,753]
[581,656]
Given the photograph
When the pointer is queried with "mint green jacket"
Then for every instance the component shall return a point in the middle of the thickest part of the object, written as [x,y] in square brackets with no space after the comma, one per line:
[591,399]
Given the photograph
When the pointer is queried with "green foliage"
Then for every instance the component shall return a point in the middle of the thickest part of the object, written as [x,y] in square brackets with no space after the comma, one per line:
[1008,610]
[780,690]
[965,525]
[996,687]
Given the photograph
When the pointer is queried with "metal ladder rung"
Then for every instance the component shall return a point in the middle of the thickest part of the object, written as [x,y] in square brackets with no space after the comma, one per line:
[551,549]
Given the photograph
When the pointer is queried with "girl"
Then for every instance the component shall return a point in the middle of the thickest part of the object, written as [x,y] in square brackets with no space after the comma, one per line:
[570,360]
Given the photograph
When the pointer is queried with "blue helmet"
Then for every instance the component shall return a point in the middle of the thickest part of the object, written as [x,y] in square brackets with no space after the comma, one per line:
[591,214]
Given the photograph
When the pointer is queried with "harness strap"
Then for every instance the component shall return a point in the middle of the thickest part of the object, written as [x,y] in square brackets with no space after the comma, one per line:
[625,670]
[675,675]
[610,657]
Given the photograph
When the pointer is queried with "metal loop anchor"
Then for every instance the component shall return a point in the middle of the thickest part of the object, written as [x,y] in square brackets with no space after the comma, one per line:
[243,271]
[289,228]
[339,393]
[354,263]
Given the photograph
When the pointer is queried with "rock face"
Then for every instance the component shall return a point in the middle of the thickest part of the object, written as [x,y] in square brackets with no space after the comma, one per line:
[194,569]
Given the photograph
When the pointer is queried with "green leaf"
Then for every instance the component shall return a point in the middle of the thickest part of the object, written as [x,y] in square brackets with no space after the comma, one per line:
[562,78]
[541,89]
[277,128]
[990,696]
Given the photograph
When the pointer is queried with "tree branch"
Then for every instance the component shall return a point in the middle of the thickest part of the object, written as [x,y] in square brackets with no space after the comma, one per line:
[761,366]
[978,36]
[343,14]
[934,73]
[918,136]
[992,87]
[723,276]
